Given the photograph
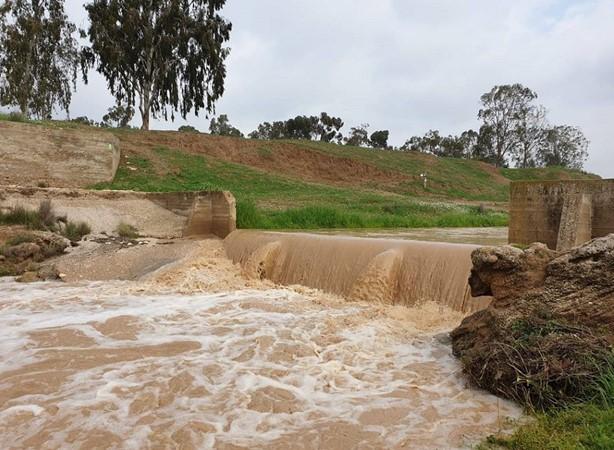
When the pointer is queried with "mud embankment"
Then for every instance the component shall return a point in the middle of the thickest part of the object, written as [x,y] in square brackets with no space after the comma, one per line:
[386,271]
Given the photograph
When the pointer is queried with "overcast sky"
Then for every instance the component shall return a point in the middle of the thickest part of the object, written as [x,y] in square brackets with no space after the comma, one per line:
[408,65]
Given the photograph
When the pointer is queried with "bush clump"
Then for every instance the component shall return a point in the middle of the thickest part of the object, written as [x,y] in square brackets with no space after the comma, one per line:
[127,231]
[75,231]
[45,219]
[188,129]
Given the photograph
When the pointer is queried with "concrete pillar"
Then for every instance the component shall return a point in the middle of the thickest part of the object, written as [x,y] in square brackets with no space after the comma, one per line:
[576,221]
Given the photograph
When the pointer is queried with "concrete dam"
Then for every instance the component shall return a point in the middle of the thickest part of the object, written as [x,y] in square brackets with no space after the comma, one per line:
[388,271]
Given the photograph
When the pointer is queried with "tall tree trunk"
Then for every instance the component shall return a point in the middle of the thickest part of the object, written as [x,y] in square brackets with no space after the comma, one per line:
[23,107]
[145,106]
[145,118]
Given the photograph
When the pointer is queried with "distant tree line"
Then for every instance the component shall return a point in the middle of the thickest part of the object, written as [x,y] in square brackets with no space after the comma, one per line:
[168,57]
[324,128]
[514,131]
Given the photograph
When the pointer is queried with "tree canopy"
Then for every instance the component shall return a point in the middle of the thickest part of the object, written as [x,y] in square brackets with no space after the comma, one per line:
[563,145]
[39,56]
[324,128]
[514,130]
[379,139]
[222,127]
[170,55]
[503,110]
[359,136]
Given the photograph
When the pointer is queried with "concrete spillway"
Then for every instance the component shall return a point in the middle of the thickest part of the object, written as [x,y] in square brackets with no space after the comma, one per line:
[377,270]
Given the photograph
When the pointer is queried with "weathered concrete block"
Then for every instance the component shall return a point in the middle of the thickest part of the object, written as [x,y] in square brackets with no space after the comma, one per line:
[576,221]
[571,212]
[62,157]
[156,214]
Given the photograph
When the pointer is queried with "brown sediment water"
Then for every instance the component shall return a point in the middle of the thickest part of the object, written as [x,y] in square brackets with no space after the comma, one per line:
[197,356]
[475,236]
[121,365]
[390,271]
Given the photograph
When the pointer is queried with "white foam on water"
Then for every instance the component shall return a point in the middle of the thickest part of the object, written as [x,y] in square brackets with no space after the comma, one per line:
[258,369]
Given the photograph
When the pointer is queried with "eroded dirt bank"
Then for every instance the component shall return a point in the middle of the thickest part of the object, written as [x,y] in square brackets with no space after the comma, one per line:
[195,355]
[549,333]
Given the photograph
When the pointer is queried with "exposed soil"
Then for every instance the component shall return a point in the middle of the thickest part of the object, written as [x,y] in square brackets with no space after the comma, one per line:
[548,334]
[281,158]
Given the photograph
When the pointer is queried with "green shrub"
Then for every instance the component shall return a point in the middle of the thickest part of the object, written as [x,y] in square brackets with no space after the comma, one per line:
[14,116]
[46,214]
[7,270]
[74,231]
[20,239]
[18,215]
[126,230]
[188,129]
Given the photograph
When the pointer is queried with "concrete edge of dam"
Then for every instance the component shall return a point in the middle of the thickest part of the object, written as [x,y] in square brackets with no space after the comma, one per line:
[562,214]
[154,214]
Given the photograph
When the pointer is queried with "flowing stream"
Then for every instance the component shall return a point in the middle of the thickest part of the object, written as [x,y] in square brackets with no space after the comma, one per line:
[176,361]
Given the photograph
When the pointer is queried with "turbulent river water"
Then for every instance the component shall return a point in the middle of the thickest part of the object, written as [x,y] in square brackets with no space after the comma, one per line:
[182,361]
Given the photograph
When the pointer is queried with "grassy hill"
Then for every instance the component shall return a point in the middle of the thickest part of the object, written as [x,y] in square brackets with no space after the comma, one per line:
[303,184]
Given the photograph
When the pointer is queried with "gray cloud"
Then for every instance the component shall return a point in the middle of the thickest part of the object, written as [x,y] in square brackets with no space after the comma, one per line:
[410,66]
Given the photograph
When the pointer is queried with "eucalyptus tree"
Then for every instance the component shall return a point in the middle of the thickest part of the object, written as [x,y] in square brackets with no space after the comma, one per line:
[564,146]
[328,128]
[222,127]
[504,109]
[358,136]
[379,139]
[164,55]
[39,56]
[531,133]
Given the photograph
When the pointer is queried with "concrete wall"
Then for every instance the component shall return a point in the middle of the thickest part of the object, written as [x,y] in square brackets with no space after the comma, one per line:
[61,157]
[164,215]
[561,214]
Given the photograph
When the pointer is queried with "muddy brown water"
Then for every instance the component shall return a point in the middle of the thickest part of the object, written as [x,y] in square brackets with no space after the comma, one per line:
[391,271]
[197,355]
[474,236]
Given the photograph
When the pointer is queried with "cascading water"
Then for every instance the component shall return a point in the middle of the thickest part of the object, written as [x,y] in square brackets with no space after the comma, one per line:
[377,270]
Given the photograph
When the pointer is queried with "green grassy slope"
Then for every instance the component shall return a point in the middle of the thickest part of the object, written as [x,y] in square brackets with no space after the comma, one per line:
[306,184]
[263,198]
[293,184]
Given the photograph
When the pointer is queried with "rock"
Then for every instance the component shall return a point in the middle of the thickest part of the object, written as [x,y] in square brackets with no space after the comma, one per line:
[39,246]
[507,272]
[51,244]
[550,328]
[23,251]
[28,277]
[48,273]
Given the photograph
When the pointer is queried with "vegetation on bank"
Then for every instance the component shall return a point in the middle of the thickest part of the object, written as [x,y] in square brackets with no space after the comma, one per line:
[273,201]
[579,425]
[44,219]
[344,186]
